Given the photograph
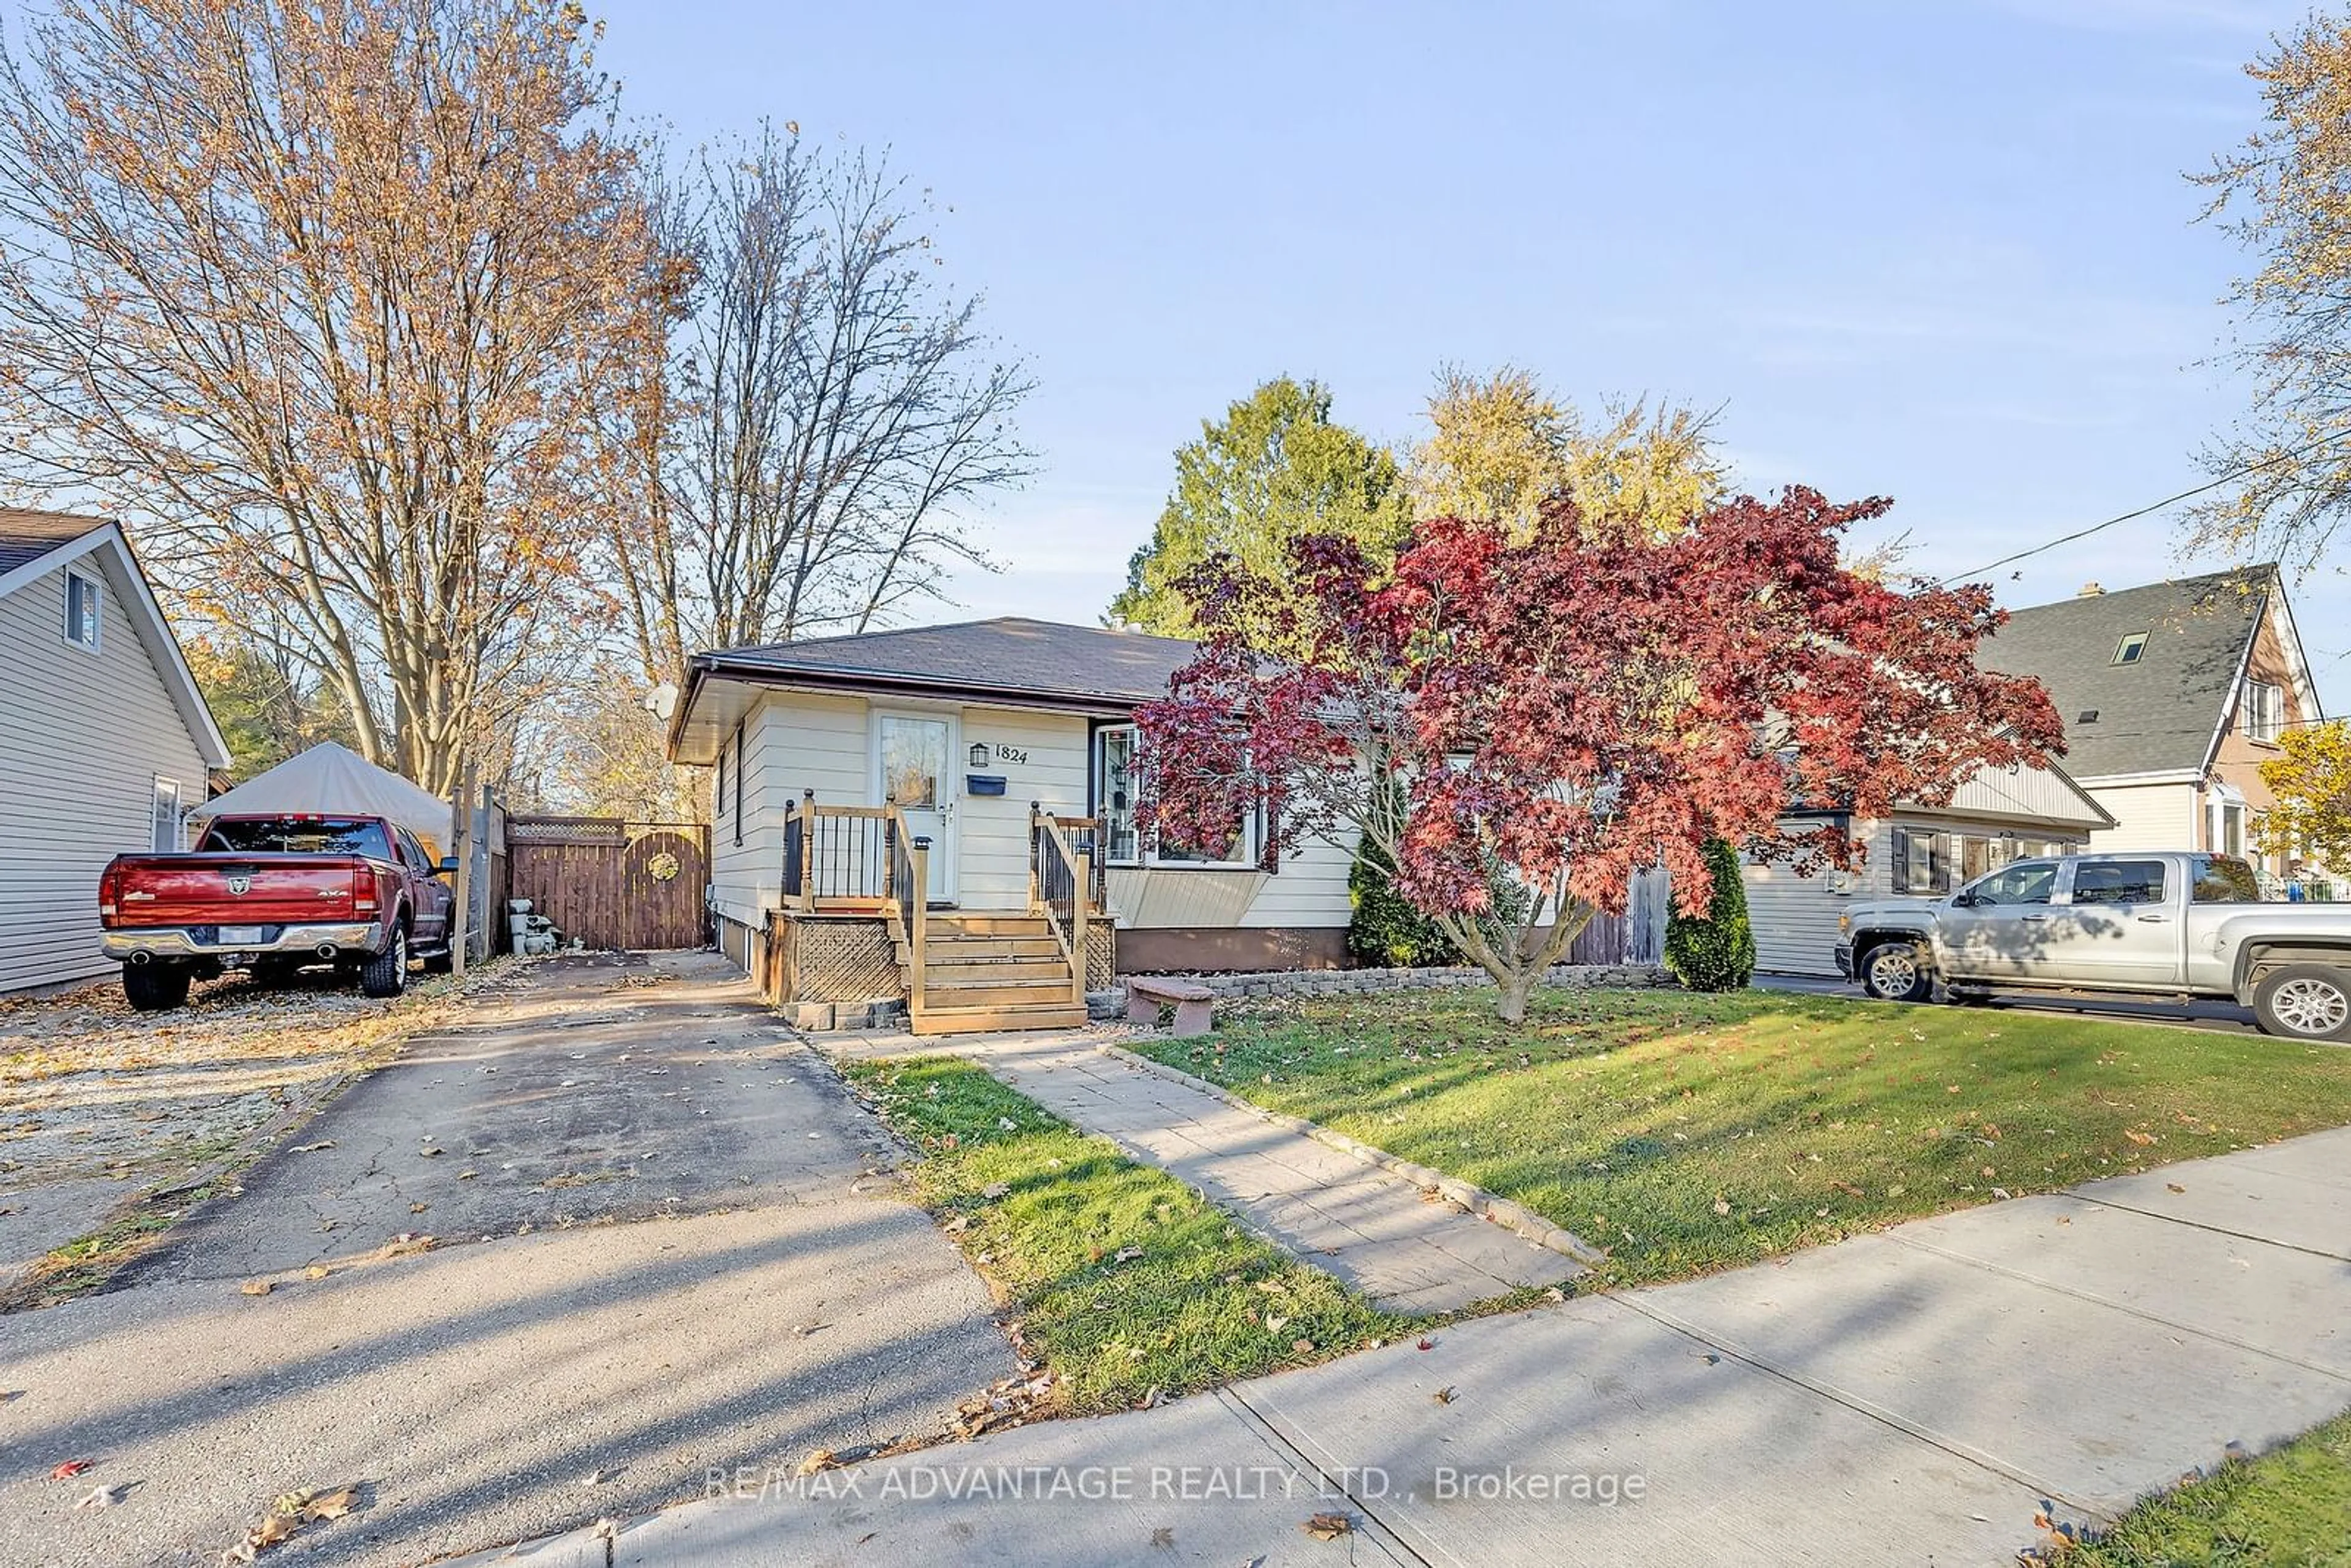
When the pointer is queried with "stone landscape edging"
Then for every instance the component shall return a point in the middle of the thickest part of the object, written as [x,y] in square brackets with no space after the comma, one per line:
[1494,1209]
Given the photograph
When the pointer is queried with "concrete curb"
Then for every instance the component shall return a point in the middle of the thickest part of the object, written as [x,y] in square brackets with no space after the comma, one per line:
[1515,1218]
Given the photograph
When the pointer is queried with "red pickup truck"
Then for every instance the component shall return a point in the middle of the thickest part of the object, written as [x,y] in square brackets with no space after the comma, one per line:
[273,893]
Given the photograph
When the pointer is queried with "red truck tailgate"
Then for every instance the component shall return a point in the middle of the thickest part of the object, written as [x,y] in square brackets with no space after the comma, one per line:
[240,890]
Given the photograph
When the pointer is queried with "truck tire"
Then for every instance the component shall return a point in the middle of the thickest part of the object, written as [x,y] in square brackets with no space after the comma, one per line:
[155,988]
[386,974]
[2304,1001]
[1895,972]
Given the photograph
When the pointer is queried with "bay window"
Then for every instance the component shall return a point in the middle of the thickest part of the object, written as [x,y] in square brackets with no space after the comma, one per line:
[1118,788]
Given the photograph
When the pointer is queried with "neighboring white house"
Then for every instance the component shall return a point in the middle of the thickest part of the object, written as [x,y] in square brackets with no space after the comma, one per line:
[105,741]
[1994,817]
[2173,694]
[963,726]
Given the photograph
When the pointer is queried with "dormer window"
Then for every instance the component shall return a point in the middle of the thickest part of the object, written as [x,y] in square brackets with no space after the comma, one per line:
[2131,648]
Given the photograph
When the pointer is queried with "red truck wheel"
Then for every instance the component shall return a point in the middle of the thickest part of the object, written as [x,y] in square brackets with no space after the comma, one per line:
[155,988]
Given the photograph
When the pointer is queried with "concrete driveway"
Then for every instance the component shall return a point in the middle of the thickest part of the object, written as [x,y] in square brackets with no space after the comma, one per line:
[659,1252]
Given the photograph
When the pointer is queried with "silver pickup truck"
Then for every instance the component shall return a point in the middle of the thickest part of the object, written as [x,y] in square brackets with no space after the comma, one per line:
[2169,925]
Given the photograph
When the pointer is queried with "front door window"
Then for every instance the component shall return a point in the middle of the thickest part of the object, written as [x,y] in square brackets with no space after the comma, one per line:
[912,754]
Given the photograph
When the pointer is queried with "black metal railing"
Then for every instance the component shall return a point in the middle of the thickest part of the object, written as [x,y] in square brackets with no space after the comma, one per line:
[905,897]
[795,849]
[1057,878]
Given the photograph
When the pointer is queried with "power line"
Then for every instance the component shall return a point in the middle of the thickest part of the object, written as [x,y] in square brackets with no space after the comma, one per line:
[2227,478]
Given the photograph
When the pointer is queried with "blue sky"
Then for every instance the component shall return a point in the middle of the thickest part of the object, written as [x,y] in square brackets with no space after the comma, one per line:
[1944,252]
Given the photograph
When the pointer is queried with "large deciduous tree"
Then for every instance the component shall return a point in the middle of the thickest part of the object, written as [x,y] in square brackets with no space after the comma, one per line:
[1518,724]
[1276,469]
[830,413]
[1501,449]
[332,297]
[2283,194]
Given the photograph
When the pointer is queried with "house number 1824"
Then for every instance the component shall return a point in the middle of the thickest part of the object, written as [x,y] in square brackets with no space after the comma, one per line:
[1010,754]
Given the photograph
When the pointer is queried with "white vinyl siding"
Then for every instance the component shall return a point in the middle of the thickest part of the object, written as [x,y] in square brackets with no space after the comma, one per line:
[83,737]
[992,830]
[791,743]
[1794,918]
[2148,816]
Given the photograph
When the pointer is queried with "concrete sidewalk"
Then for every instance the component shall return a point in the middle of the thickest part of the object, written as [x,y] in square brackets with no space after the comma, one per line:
[1905,1397]
[1375,1231]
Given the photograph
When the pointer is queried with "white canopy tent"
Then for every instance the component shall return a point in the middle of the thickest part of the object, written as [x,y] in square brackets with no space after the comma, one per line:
[330,780]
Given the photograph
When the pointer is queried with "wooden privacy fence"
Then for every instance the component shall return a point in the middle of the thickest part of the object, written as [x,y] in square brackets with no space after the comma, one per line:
[611,883]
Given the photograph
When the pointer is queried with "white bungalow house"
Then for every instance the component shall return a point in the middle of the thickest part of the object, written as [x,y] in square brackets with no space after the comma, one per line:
[105,741]
[825,752]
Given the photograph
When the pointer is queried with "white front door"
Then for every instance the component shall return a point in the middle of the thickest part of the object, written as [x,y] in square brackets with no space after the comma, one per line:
[912,756]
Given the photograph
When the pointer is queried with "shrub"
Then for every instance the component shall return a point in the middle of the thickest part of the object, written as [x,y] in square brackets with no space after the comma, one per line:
[1714,951]
[1386,931]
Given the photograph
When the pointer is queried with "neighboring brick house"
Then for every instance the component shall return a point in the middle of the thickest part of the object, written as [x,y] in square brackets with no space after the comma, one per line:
[2173,694]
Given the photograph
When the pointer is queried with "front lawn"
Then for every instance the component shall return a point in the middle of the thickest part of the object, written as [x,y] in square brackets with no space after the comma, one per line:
[1125,1281]
[2292,1506]
[1686,1133]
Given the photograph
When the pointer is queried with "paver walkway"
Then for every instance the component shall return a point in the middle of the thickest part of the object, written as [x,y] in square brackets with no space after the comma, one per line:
[1372,1229]
[1907,1398]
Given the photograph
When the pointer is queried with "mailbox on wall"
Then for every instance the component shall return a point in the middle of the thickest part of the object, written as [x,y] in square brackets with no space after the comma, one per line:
[982,783]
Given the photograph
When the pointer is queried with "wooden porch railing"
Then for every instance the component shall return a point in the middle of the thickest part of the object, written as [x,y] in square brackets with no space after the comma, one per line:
[1062,886]
[835,857]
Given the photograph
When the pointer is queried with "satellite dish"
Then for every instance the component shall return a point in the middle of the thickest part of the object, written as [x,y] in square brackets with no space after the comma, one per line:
[662,702]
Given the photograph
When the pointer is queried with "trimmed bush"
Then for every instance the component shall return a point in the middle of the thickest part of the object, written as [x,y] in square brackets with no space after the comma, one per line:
[1715,951]
[1386,931]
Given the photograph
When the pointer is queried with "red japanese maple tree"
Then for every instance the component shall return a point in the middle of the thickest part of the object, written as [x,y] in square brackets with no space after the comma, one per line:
[1519,726]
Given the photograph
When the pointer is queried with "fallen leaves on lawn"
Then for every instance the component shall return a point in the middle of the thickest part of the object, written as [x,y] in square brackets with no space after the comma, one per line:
[995,1189]
[1276,1324]
[1329,1526]
[1127,1255]
[1722,1206]
[2136,1136]
[1303,1346]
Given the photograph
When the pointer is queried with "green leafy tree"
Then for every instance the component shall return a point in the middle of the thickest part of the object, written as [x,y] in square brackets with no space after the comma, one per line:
[2310,778]
[1274,471]
[1714,951]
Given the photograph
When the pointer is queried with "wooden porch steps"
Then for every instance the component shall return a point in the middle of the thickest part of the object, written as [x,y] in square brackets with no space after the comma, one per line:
[985,972]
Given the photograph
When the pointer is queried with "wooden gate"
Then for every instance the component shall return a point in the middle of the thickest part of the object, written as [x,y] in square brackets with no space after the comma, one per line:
[613,883]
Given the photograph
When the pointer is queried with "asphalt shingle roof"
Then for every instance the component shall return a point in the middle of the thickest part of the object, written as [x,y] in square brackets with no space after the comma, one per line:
[2158,713]
[1009,655]
[28,536]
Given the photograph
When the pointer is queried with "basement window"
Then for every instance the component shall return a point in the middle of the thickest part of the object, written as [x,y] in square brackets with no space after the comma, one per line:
[2130,649]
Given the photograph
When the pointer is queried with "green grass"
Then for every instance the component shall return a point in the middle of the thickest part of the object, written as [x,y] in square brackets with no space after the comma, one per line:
[1688,1132]
[2292,1507]
[1044,1213]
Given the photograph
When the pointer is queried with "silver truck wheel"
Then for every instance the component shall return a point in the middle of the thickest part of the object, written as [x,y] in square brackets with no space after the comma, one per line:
[2304,1001]
[1892,972]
